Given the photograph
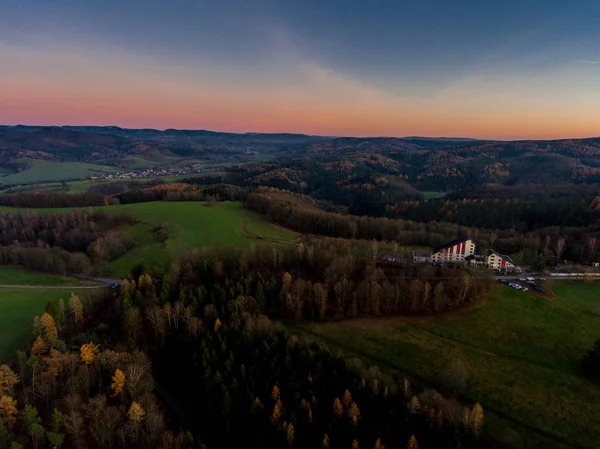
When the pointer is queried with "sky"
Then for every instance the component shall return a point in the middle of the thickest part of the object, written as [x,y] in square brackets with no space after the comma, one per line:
[472,68]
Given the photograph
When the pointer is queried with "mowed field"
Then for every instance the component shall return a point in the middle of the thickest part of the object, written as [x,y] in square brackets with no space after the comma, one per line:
[18,306]
[14,275]
[521,352]
[55,171]
[191,225]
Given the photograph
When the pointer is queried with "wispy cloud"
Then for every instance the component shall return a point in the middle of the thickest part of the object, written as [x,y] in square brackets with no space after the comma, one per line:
[588,62]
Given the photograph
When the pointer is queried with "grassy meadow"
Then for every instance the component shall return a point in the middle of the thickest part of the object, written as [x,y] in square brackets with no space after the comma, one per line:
[14,275]
[18,306]
[521,353]
[191,225]
[55,171]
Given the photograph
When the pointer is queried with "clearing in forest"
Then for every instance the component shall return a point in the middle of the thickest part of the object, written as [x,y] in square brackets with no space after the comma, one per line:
[519,355]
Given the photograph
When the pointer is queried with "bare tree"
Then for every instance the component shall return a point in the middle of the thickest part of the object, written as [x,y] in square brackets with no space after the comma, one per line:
[592,242]
[493,238]
[560,247]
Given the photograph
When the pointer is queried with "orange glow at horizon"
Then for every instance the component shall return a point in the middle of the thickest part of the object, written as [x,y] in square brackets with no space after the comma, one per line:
[81,91]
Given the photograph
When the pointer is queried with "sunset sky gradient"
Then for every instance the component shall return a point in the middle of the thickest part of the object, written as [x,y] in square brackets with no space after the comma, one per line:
[488,69]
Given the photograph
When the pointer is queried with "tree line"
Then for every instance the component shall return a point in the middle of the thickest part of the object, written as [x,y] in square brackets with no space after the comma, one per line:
[80,240]
[550,243]
[325,280]
[51,199]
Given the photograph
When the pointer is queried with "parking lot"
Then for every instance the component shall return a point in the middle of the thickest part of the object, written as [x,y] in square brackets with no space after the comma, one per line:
[523,284]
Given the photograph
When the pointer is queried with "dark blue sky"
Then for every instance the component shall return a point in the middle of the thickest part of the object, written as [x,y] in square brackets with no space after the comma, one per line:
[422,54]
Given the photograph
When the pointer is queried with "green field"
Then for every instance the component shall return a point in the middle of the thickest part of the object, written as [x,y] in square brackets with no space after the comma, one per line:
[521,352]
[55,171]
[12,275]
[18,306]
[191,225]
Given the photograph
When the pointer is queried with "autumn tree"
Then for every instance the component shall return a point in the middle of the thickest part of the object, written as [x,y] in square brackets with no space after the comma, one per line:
[136,414]
[76,308]
[8,410]
[48,325]
[338,409]
[118,383]
[277,413]
[88,353]
[217,325]
[378,444]
[275,394]
[354,444]
[347,399]
[354,413]
[290,434]
[412,443]
[325,444]
[8,379]
[476,418]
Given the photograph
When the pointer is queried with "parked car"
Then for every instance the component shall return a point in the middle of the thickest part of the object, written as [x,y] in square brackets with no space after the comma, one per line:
[524,289]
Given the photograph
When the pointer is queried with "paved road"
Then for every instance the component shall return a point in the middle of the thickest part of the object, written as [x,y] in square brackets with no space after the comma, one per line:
[105,283]
[104,280]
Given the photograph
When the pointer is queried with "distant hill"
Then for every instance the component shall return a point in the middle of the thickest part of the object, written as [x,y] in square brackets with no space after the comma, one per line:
[319,165]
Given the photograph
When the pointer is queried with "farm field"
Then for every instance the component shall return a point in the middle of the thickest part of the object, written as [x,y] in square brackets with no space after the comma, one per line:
[521,354]
[54,171]
[191,225]
[18,306]
[13,275]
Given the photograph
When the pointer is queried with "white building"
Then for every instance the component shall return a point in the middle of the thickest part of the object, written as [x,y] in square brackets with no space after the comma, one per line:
[454,252]
[497,261]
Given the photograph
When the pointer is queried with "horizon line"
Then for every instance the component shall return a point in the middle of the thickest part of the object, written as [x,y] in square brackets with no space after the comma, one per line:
[308,134]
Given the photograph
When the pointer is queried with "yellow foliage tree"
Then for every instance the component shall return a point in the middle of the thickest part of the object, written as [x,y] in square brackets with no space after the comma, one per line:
[76,308]
[301,249]
[48,324]
[277,413]
[290,434]
[39,346]
[145,280]
[89,352]
[354,413]
[8,379]
[355,444]
[8,410]
[412,443]
[476,419]
[118,383]
[218,325]
[325,442]
[275,394]
[378,444]
[338,409]
[136,412]
[287,278]
[347,399]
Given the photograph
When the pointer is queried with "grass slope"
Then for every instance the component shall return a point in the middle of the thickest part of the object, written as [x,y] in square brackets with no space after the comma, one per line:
[521,352]
[191,225]
[54,171]
[18,306]
[12,275]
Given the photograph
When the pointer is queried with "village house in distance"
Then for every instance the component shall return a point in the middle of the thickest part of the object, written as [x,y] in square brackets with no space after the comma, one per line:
[462,250]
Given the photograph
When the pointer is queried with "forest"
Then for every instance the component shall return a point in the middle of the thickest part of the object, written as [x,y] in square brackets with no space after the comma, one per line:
[79,241]
[193,360]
